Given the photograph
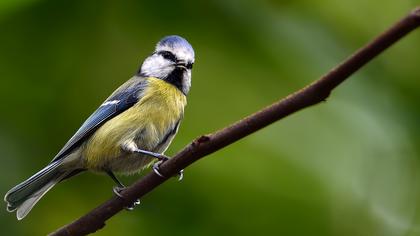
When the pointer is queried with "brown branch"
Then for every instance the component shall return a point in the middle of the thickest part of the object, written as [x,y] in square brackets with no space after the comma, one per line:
[312,94]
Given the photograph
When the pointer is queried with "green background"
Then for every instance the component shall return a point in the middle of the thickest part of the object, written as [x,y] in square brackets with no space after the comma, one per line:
[350,166]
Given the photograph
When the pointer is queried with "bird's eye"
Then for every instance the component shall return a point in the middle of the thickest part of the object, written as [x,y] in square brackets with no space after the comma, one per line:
[168,55]
[189,66]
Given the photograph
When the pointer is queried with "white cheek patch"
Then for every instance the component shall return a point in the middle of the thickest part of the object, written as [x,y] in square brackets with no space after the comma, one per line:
[186,82]
[156,66]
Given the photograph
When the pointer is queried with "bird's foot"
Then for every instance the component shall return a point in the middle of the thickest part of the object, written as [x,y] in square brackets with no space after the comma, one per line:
[156,169]
[117,190]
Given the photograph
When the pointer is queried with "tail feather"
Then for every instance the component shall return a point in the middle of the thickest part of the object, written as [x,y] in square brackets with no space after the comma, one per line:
[26,194]
[29,203]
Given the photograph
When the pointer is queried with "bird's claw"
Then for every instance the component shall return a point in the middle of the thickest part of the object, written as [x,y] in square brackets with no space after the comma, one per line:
[133,205]
[156,170]
[117,190]
[180,175]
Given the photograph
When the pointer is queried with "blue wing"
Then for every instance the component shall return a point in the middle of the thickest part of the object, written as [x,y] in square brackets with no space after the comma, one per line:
[122,99]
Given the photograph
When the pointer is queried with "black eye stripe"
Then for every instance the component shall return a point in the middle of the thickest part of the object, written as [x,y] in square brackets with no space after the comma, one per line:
[167,55]
[170,56]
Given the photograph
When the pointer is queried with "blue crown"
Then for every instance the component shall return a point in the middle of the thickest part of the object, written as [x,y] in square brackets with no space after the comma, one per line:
[175,41]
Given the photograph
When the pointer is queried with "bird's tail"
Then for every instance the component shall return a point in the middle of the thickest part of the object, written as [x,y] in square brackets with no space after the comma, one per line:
[25,195]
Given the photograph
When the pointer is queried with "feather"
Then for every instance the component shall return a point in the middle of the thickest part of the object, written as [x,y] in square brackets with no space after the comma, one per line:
[122,99]
[25,195]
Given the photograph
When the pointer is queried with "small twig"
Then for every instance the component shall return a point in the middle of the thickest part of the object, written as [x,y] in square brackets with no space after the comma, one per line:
[312,94]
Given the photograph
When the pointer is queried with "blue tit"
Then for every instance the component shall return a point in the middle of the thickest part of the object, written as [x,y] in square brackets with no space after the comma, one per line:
[133,127]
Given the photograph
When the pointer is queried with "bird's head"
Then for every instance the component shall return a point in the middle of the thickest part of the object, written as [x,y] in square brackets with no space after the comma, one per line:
[172,61]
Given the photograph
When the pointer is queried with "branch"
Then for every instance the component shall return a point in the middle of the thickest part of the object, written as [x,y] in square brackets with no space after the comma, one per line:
[312,94]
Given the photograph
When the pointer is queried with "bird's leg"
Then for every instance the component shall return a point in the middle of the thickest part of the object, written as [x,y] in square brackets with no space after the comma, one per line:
[120,187]
[132,147]
[115,179]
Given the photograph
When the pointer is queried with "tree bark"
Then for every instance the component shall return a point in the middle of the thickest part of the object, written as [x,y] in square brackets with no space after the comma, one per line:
[312,94]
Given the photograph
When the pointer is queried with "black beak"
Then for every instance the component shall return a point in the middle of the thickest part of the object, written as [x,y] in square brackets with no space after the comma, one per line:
[184,65]
[181,64]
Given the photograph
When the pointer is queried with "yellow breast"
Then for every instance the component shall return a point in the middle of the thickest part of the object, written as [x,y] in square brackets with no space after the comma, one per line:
[160,107]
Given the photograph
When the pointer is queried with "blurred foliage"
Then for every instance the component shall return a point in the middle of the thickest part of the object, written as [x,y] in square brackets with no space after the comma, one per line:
[350,166]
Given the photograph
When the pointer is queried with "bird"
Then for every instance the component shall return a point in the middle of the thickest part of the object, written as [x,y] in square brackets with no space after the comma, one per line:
[127,133]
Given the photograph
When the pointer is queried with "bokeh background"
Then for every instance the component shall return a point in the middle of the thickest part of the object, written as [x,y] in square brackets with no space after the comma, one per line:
[350,166]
